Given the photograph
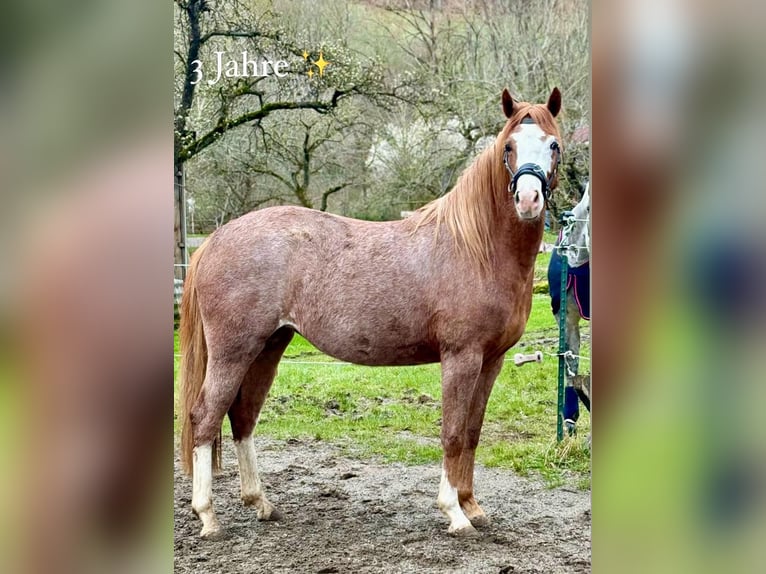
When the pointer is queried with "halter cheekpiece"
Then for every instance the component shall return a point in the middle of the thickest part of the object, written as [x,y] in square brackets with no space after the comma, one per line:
[533,168]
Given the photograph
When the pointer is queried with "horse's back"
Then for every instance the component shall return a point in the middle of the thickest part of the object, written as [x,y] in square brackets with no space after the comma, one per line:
[356,289]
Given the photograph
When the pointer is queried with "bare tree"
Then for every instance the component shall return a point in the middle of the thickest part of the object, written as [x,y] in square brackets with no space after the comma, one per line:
[465,53]
[204,113]
[303,162]
[415,85]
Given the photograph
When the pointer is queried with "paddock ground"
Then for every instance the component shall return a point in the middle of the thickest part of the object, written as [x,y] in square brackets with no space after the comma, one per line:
[346,515]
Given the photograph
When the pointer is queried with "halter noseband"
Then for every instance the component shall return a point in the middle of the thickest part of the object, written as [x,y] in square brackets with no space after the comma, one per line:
[533,168]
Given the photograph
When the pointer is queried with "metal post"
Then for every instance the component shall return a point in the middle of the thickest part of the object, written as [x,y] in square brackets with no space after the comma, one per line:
[181,253]
[562,347]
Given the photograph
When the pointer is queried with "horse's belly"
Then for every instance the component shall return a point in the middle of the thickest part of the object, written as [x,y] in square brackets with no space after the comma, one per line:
[367,337]
[373,351]
[366,316]
[404,358]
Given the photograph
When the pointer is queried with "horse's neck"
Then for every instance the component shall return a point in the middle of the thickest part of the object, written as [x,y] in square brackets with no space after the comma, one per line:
[518,242]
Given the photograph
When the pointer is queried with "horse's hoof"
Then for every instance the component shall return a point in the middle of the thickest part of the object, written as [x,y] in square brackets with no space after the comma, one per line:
[480,521]
[213,534]
[273,516]
[465,532]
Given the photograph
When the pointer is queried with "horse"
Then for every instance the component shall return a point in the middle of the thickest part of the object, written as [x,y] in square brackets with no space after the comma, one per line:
[452,283]
[574,242]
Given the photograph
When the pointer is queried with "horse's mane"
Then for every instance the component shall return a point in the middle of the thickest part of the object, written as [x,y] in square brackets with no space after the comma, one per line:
[471,208]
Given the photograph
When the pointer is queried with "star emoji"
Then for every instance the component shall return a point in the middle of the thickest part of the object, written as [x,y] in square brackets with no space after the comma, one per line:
[310,73]
[305,55]
[321,63]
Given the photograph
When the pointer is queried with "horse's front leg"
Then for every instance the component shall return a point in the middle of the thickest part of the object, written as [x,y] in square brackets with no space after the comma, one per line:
[489,371]
[460,373]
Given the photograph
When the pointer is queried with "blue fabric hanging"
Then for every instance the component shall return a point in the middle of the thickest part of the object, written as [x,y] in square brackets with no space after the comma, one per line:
[578,278]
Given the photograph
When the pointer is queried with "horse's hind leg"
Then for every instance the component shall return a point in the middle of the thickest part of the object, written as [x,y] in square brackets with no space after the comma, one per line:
[223,377]
[489,371]
[243,415]
[460,373]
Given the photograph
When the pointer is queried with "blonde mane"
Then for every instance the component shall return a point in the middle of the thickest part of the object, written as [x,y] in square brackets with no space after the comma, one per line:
[470,210]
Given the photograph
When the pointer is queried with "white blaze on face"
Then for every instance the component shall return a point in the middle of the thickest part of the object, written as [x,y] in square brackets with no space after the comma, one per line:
[532,146]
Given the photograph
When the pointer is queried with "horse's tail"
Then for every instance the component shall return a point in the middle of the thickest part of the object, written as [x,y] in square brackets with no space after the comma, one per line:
[193,365]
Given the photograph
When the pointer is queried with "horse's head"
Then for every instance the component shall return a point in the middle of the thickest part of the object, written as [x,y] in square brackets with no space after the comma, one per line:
[531,151]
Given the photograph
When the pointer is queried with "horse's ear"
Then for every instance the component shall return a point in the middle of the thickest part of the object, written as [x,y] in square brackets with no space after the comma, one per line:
[554,102]
[508,103]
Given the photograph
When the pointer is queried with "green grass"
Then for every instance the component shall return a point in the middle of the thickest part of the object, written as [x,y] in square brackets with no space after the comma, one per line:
[393,413]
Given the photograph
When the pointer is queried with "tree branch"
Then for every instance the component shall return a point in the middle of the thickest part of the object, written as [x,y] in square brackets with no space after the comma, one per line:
[306,159]
[236,34]
[224,125]
[273,174]
[329,192]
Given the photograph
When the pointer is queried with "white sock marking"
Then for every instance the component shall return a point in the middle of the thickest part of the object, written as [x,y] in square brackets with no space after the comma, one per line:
[249,481]
[449,504]
[202,489]
[202,492]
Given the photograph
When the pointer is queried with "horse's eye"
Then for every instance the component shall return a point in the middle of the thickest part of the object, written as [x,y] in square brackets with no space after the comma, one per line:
[555,146]
[508,147]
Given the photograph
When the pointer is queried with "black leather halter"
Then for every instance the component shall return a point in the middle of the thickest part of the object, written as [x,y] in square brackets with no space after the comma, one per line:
[533,168]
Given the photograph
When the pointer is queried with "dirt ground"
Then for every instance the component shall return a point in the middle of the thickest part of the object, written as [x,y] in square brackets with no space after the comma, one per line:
[349,516]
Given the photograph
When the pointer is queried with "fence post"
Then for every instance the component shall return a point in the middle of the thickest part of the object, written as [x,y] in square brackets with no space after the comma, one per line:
[562,346]
[181,253]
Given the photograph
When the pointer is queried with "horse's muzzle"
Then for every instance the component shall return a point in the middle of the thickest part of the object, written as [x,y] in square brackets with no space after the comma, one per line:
[529,203]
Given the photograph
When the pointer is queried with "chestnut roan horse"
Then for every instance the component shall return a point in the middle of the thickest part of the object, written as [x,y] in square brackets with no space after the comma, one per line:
[452,283]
